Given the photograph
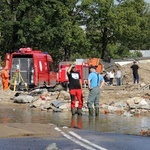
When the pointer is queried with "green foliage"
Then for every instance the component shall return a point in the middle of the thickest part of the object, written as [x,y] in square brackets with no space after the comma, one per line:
[54,26]
[118,51]
[136,54]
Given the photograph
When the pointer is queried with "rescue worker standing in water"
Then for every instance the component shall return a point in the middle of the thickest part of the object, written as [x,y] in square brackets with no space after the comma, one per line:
[75,89]
[5,77]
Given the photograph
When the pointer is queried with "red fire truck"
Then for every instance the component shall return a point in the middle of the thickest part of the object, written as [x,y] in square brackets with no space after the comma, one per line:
[82,66]
[35,68]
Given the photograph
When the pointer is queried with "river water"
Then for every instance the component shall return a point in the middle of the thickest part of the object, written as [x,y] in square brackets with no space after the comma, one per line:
[103,123]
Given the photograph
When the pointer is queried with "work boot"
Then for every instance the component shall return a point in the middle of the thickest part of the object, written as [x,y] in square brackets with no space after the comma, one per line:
[90,111]
[96,111]
[73,111]
[79,111]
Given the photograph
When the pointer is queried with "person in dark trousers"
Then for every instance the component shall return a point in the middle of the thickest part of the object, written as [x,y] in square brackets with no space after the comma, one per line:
[95,82]
[135,68]
[118,76]
[106,77]
[75,89]
[111,75]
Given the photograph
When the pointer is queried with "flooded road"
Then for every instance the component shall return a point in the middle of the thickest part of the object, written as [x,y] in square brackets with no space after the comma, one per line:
[103,123]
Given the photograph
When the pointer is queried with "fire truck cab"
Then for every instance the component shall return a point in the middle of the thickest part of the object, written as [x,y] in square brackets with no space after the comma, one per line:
[34,66]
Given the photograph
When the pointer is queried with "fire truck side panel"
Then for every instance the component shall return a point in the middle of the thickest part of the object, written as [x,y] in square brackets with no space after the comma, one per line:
[62,74]
[52,74]
[42,70]
[35,71]
[63,67]
[85,72]
[7,60]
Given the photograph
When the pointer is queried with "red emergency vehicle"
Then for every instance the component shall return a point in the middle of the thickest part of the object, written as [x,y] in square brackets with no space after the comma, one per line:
[82,66]
[34,66]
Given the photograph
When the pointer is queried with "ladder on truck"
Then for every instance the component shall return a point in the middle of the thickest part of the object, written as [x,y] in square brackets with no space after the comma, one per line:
[13,81]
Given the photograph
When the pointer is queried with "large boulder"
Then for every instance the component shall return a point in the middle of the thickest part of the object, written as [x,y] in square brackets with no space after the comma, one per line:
[65,95]
[143,104]
[132,102]
[38,103]
[23,99]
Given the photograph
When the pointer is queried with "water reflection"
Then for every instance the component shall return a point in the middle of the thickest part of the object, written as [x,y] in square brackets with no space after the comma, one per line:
[103,123]
[76,122]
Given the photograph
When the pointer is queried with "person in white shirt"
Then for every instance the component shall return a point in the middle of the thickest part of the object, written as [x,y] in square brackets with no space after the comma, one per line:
[111,75]
[118,77]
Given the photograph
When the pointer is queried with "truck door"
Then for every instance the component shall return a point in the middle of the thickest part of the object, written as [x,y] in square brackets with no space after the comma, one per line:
[25,68]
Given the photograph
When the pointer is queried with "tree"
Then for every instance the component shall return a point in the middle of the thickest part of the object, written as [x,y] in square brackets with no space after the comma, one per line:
[54,26]
[133,26]
[47,25]
[98,19]
[114,24]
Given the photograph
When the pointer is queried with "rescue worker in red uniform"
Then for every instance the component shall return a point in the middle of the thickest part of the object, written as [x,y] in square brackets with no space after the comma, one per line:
[5,77]
[75,89]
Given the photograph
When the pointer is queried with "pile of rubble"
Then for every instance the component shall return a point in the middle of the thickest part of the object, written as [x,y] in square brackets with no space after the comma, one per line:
[127,99]
[144,70]
[59,101]
[134,106]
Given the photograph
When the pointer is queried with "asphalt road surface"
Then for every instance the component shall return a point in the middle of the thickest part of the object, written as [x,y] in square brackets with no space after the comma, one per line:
[77,139]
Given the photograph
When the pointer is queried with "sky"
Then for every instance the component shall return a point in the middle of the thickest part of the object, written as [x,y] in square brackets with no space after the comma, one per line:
[147,1]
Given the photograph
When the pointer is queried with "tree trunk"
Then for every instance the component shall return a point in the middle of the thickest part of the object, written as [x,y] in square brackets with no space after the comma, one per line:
[67,54]
[104,54]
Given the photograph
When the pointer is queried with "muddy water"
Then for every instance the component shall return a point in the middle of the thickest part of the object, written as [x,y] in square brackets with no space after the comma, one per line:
[103,123]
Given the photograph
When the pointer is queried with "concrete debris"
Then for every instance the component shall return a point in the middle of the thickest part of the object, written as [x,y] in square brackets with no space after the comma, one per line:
[145,132]
[128,99]
[23,99]
[52,146]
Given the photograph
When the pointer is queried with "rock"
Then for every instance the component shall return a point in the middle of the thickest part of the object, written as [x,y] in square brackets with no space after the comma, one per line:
[127,114]
[23,99]
[38,91]
[46,105]
[142,84]
[57,103]
[38,103]
[52,146]
[65,106]
[137,100]
[112,103]
[65,94]
[144,111]
[112,108]
[132,111]
[104,106]
[120,104]
[143,104]
[131,102]
[58,87]
[46,97]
